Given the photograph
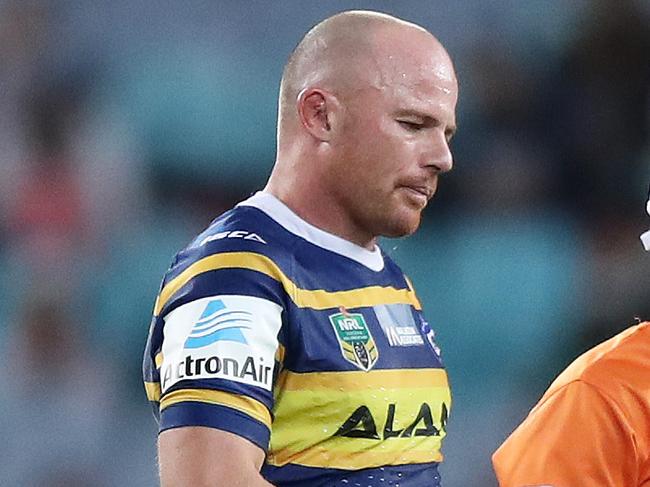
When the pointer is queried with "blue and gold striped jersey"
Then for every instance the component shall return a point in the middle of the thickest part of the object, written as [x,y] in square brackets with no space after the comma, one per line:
[307,345]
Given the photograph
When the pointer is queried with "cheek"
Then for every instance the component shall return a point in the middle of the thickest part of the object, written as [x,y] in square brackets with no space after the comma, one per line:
[376,154]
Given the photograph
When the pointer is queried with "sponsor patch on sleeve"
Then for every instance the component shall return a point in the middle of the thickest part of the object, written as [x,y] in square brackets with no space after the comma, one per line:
[227,337]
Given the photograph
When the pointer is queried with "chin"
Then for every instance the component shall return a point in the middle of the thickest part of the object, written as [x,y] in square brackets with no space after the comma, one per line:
[401,227]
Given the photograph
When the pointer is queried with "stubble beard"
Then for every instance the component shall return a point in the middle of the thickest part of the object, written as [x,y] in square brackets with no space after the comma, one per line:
[397,222]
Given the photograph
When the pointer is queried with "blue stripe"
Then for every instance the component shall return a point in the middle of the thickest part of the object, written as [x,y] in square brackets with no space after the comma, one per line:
[215,416]
[418,475]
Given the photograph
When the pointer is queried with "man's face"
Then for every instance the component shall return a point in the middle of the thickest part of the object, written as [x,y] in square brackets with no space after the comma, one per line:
[395,140]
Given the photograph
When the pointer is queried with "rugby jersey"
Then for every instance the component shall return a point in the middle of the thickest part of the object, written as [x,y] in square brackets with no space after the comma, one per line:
[311,347]
[592,427]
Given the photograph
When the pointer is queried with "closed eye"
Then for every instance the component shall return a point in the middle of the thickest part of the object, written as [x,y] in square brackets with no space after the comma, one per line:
[411,126]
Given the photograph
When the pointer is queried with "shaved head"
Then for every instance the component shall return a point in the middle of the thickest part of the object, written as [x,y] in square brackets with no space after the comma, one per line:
[366,112]
[341,53]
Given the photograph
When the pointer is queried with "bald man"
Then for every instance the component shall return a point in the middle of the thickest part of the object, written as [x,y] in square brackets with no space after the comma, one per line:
[286,349]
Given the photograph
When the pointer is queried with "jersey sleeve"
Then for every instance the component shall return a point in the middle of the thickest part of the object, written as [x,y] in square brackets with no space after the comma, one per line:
[575,437]
[213,347]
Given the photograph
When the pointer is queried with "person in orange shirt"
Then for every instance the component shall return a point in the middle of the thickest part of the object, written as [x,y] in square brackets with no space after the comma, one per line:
[592,426]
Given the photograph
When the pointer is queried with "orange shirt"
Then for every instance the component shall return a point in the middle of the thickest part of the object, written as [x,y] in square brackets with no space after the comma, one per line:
[592,426]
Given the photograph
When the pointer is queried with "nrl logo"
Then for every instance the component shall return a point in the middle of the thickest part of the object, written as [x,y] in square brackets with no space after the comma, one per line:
[357,344]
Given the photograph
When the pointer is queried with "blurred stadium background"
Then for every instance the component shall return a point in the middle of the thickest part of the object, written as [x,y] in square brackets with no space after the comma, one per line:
[126,126]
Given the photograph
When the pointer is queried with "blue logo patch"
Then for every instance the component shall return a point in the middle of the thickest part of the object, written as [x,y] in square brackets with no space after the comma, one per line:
[217,323]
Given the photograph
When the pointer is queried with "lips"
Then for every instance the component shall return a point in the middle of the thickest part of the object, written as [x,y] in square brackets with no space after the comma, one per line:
[422,190]
[418,195]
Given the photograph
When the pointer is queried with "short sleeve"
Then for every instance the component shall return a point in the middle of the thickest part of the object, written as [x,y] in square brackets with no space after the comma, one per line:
[212,350]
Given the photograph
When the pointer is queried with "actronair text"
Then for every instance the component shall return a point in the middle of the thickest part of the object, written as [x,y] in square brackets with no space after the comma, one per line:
[250,370]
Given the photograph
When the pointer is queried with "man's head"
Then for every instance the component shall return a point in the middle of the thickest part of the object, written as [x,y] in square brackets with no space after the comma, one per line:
[366,111]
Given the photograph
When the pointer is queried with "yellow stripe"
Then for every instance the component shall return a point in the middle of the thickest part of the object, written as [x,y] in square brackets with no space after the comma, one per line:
[394,399]
[360,380]
[356,459]
[354,298]
[153,390]
[303,298]
[159,360]
[244,260]
[245,404]
[412,289]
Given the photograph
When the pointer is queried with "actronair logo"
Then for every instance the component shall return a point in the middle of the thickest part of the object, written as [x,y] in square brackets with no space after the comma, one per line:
[251,369]
[218,323]
[228,337]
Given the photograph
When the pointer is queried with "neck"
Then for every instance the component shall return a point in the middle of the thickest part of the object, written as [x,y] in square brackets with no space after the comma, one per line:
[307,196]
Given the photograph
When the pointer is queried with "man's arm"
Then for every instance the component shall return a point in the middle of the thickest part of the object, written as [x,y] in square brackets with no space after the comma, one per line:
[197,456]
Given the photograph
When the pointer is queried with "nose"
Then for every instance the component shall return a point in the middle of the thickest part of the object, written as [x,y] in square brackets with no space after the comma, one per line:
[438,155]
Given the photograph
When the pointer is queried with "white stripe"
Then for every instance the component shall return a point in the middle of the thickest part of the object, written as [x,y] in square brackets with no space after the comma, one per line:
[282,214]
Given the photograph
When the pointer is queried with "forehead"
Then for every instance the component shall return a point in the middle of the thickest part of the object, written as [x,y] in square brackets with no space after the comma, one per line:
[418,73]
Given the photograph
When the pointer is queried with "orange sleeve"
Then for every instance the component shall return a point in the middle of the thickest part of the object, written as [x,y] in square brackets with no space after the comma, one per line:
[575,437]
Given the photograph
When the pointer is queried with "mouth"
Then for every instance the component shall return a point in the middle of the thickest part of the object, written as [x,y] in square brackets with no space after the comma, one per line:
[419,194]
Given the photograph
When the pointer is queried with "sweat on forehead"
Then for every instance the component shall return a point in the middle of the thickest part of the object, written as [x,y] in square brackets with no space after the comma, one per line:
[341,47]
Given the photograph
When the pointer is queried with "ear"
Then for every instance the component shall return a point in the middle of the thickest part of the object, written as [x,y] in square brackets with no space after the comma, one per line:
[316,110]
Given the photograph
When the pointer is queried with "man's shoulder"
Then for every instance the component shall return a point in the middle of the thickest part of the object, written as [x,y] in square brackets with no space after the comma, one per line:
[242,252]
[242,227]
[239,231]
[612,364]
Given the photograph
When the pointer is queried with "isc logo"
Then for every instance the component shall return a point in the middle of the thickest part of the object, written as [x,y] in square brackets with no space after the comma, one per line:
[243,234]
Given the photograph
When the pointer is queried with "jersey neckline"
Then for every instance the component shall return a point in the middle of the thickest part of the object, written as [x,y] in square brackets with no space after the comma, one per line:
[284,216]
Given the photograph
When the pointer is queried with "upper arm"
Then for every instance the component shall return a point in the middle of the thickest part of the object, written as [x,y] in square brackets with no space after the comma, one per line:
[199,457]
[576,437]
[217,365]
[211,359]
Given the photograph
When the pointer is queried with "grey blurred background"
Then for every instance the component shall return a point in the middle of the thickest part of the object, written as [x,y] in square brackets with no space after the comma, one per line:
[126,126]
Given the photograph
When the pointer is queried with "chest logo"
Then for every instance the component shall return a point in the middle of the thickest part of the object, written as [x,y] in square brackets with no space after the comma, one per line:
[355,340]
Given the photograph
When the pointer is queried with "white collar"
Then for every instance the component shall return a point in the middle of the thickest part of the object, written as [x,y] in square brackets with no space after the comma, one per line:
[283,215]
